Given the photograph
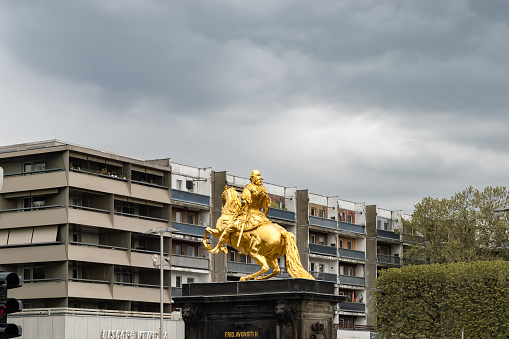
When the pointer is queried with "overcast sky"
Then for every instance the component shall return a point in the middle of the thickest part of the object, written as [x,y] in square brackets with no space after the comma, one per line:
[383,102]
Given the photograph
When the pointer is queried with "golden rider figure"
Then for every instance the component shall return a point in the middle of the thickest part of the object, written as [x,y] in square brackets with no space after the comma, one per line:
[254,199]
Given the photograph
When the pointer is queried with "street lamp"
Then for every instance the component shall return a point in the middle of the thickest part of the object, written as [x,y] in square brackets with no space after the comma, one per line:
[161,231]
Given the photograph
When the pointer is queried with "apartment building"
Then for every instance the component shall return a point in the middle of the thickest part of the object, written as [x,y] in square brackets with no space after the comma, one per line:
[74,222]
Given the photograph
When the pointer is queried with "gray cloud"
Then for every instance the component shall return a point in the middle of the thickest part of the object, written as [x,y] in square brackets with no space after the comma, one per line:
[384,102]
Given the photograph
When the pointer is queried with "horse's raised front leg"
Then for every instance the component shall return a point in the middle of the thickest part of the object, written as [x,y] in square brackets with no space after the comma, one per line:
[260,260]
[217,234]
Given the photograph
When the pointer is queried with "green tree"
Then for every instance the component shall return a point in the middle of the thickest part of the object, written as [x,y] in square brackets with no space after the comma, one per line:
[461,228]
[444,300]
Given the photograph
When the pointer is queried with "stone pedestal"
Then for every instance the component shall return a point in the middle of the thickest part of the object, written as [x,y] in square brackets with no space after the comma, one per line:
[271,309]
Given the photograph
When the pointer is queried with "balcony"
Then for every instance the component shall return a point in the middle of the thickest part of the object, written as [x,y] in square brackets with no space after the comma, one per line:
[35,180]
[345,226]
[40,288]
[324,276]
[352,307]
[322,249]
[351,280]
[98,253]
[281,214]
[98,182]
[193,262]
[190,197]
[323,222]
[388,259]
[387,235]
[176,292]
[351,254]
[44,215]
[189,229]
[241,267]
[88,288]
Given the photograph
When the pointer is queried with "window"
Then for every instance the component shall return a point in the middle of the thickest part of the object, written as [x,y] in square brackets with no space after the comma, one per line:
[312,267]
[126,277]
[341,216]
[34,202]
[340,243]
[313,211]
[33,273]
[379,224]
[190,280]
[178,216]
[34,166]
[76,201]
[321,213]
[386,226]
[178,281]
[178,249]
[190,219]
[350,245]
[350,219]
[342,270]
[179,185]
[243,258]
[321,240]
[321,268]
[190,251]
[350,271]
[278,204]
[312,240]
[232,256]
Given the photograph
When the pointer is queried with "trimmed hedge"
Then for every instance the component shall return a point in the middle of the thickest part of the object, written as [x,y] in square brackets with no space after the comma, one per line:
[441,300]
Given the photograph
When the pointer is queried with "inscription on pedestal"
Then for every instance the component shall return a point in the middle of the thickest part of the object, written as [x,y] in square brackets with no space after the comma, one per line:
[243,330]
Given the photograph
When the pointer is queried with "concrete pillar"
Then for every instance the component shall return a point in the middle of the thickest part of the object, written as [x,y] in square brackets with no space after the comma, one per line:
[303,227]
[218,261]
[371,263]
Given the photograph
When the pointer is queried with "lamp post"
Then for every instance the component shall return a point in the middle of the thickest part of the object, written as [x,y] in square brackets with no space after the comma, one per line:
[161,231]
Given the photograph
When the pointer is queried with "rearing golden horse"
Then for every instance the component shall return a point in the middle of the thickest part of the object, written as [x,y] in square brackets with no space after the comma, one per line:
[265,243]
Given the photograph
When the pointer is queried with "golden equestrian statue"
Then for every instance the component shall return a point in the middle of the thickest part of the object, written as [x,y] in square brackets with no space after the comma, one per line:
[245,226]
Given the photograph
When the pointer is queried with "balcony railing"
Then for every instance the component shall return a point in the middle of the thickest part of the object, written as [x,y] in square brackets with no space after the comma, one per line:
[115,177]
[281,214]
[190,197]
[324,276]
[388,259]
[85,208]
[345,226]
[25,209]
[98,246]
[141,217]
[242,267]
[176,292]
[322,249]
[33,172]
[352,254]
[90,281]
[149,184]
[194,262]
[352,307]
[351,280]
[387,234]
[323,222]
[190,229]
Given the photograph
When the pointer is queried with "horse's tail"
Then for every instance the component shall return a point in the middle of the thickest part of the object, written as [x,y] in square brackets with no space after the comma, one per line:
[293,264]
